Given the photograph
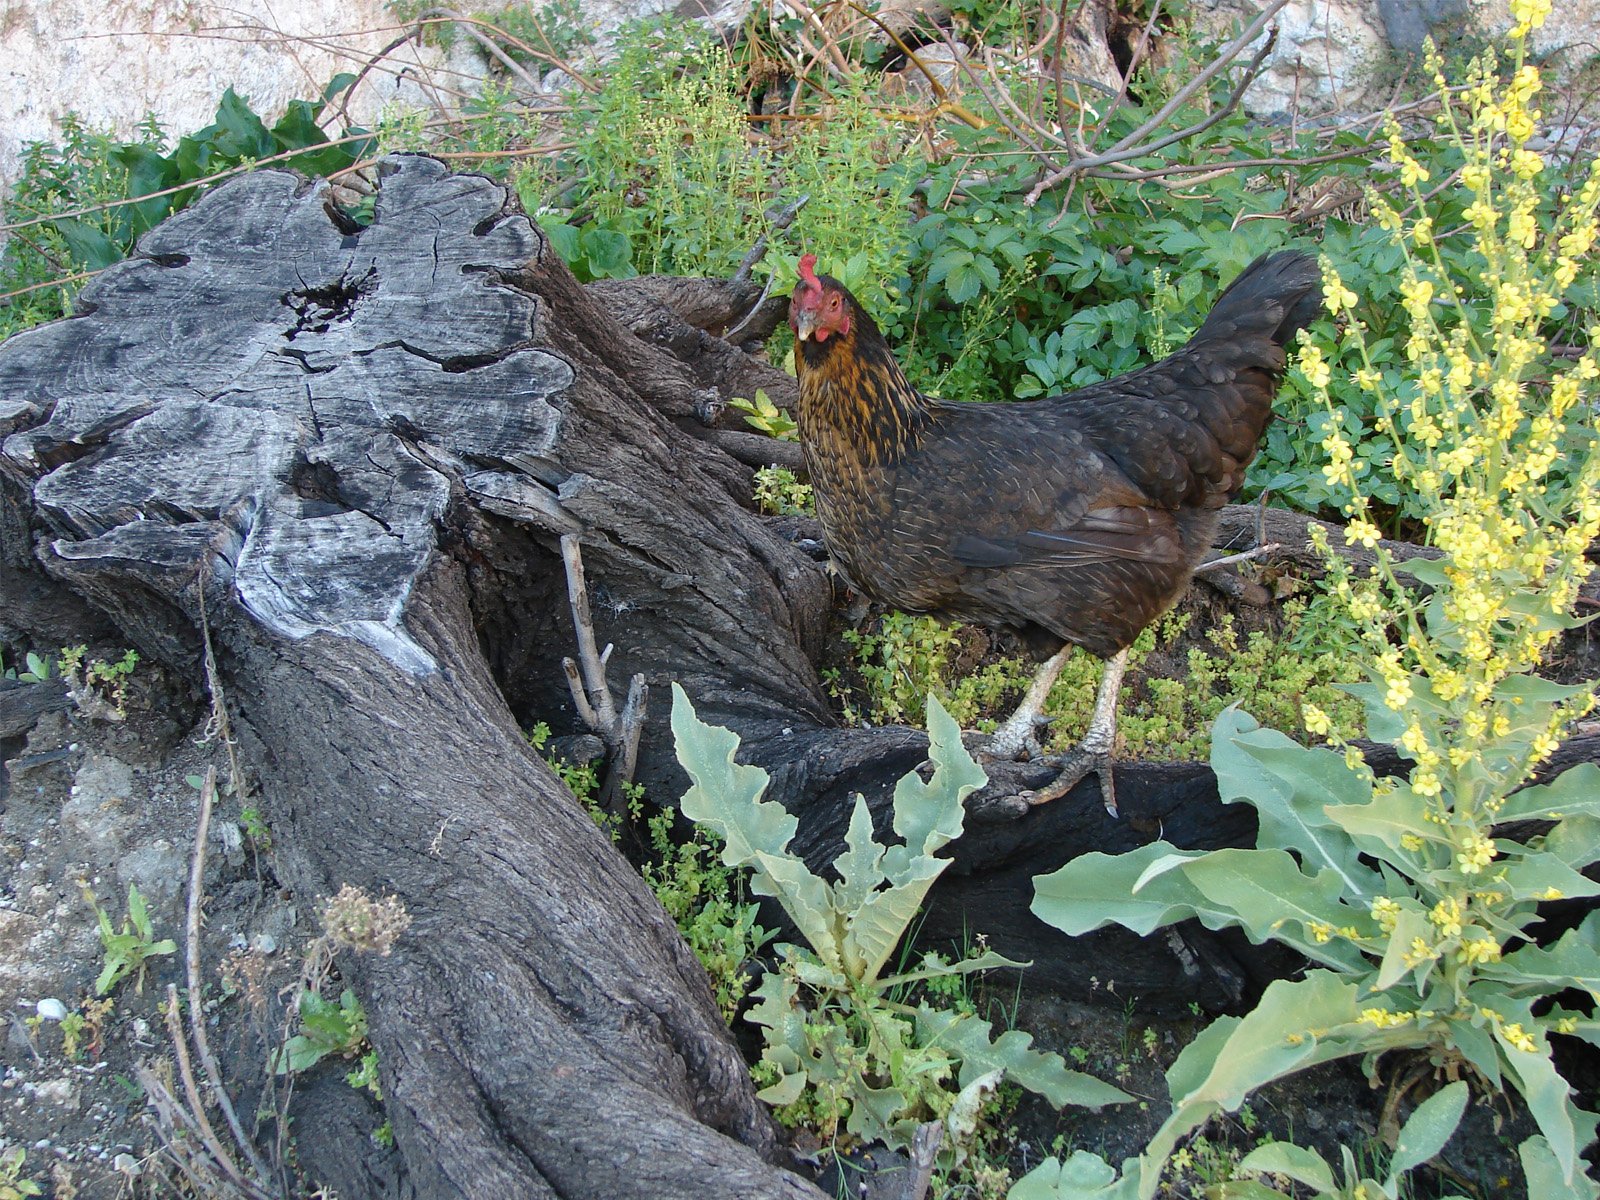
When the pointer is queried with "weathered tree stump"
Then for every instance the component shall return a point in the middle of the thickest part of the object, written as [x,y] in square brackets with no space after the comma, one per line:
[351,454]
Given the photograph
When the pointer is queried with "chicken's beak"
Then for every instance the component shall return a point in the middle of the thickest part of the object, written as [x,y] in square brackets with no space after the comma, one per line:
[805,323]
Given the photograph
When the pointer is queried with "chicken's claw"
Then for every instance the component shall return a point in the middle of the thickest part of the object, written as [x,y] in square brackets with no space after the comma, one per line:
[1074,767]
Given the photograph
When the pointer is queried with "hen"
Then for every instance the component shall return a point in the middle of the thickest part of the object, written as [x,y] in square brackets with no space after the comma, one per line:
[1071,520]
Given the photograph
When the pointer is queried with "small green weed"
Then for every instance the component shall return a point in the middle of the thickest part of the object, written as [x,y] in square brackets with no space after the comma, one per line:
[84,1028]
[99,686]
[12,1185]
[707,900]
[126,953]
[842,1056]
[780,493]
[763,415]
[326,1028]
[366,1076]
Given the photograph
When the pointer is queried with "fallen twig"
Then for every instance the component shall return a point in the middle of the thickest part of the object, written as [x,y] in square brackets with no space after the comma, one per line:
[591,694]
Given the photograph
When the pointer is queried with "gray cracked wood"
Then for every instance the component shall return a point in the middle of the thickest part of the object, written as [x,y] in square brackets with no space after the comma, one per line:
[280,416]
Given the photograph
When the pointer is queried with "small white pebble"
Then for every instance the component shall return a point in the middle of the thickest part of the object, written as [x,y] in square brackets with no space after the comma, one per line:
[128,1165]
[51,1009]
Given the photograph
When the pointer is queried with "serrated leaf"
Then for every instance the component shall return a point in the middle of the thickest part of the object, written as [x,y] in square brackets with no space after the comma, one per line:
[859,867]
[1289,785]
[929,815]
[968,1038]
[1429,1128]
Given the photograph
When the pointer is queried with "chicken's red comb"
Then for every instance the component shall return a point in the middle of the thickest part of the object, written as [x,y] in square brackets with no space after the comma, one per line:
[808,271]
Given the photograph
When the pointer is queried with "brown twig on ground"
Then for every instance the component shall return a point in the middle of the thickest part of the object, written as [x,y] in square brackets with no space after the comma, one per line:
[591,694]
[197,1027]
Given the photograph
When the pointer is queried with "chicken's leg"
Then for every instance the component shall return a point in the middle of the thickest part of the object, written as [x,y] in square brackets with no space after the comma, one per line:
[1094,752]
[1016,736]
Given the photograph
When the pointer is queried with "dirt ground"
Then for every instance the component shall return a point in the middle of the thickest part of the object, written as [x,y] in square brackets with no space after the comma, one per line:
[89,807]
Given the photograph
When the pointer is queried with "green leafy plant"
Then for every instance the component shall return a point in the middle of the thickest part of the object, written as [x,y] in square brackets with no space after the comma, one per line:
[1422,1137]
[1421,919]
[326,1028]
[99,686]
[35,669]
[126,952]
[706,899]
[763,415]
[365,1076]
[131,186]
[839,1053]
[12,1185]
[779,492]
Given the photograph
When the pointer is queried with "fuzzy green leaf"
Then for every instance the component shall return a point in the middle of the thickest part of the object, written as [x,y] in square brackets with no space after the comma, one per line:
[1410,923]
[1573,960]
[1575,840]
[1429,1128]
[1285,1158]
[1094,890]
[1572,793]
[967,1037]
[860,866]
[1268,889]
[1296,1025]
[1566,1128]
[1084,1176]
[875,928]
[1290,785]
[1545,1177]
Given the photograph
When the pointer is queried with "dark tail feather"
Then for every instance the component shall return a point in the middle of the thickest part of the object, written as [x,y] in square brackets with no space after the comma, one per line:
[1276,296]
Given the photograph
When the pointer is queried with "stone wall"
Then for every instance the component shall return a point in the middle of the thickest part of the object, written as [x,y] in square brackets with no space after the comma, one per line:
[115,62]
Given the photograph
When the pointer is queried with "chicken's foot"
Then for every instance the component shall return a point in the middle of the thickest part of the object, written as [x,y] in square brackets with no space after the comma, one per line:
[1017,737]
[1094,752]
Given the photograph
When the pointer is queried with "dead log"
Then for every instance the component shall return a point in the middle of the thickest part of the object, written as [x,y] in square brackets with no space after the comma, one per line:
[308,430]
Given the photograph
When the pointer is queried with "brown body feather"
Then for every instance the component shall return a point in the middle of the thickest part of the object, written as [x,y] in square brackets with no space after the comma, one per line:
[1077,518]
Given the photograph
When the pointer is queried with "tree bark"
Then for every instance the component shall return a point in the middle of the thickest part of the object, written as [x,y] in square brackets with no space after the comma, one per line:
[316,433]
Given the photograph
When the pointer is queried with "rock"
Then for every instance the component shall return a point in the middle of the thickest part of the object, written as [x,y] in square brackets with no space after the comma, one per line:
[1329,50]
[50,1009]
[158,870]
[1409,22]
[95,811]
[28,954]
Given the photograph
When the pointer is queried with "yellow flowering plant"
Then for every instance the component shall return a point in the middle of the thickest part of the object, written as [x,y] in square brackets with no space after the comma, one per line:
[1408,893]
